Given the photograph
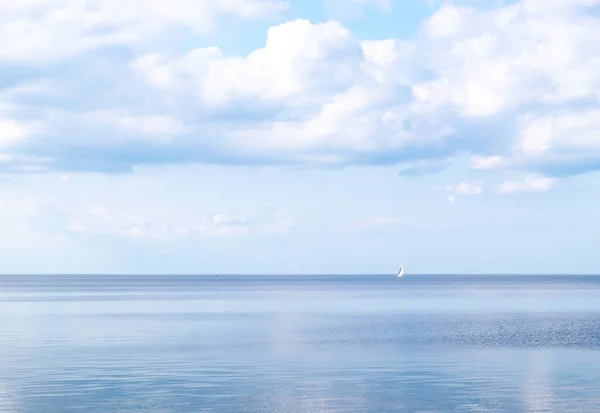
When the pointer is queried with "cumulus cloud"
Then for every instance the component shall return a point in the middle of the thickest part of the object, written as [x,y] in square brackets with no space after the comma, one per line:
[513,86]
[533,64]
[297,61]
[324,93]
[512,55]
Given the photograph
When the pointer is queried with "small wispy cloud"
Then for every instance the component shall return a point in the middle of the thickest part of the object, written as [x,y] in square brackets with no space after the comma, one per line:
[531,183]
[347,6]
[145,225]
[462,189]
[378,222]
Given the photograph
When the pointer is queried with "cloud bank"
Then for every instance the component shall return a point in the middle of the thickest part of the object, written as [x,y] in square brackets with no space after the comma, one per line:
[100,86]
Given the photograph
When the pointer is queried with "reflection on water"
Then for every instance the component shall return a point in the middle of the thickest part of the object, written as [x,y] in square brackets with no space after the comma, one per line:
[299,344]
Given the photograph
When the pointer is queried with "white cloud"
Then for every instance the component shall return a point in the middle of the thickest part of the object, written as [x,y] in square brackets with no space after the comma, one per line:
[16,162]
[512,55]
[343,5]
[224,218]
[447,22]
[11,132]
[334,90]
[557,5]
[34,31]
[536,136]
[531,183]
[153,224]
[334,93]
[463,188]
[519,81]
[572,131]
[535,57]
[295,63]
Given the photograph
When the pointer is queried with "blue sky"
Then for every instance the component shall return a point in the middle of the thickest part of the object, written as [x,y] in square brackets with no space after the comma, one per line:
[322,136]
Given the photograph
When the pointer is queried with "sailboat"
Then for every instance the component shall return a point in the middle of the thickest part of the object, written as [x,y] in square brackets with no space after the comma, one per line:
[401,272]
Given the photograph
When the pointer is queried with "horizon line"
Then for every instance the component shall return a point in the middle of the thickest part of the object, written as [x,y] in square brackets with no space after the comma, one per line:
[300,274]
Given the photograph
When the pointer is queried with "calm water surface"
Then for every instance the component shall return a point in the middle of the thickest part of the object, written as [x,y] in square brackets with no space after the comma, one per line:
[230,344]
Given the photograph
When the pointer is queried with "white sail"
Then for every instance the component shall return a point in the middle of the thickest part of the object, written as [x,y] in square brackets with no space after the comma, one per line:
[401,272]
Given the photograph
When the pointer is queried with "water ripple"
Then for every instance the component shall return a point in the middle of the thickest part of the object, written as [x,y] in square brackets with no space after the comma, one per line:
[150,344]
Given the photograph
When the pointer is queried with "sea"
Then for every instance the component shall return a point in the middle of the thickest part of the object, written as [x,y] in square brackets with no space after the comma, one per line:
[299,344]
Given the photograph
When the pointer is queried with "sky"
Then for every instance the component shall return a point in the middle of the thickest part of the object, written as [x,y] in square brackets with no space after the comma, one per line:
[299,136]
